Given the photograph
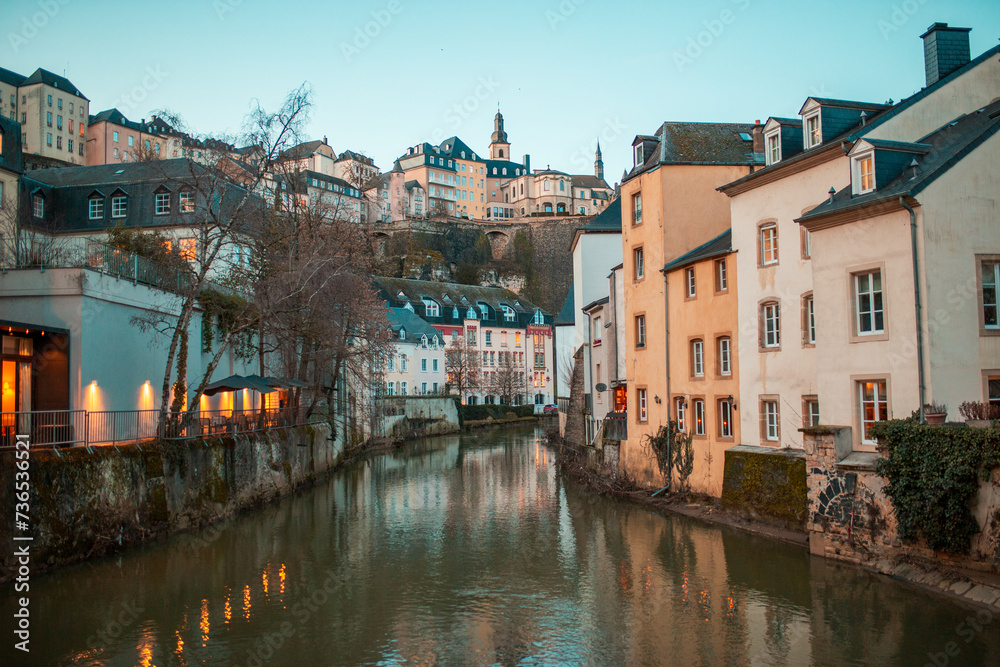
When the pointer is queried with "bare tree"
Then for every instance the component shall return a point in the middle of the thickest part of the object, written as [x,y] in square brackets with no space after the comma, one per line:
[507,382]
[461,362]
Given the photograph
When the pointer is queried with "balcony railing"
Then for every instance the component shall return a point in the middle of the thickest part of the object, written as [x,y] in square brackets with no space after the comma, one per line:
[68,428]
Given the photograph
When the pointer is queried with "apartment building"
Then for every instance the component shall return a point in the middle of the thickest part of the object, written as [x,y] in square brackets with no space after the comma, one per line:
[53,114]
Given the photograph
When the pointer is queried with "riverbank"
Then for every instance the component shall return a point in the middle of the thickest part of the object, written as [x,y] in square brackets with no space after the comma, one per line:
[981,589]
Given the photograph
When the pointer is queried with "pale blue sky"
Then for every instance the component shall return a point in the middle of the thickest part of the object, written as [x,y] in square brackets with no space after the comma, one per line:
[565,72]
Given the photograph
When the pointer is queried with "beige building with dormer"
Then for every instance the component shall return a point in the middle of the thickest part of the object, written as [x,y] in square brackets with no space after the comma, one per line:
[53,114]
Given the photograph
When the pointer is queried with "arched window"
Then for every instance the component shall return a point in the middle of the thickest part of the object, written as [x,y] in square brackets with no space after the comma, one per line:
[501,152]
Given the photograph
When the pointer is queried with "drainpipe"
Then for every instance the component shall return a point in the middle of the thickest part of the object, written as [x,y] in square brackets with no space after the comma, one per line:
[666,357]
[918,304]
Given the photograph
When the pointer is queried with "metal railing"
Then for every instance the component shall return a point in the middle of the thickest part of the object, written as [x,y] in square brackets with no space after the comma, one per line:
[68,428]
[563,404]
[125,264]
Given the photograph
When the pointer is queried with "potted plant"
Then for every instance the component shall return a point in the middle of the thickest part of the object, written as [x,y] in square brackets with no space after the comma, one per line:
[979,414]
[935,413]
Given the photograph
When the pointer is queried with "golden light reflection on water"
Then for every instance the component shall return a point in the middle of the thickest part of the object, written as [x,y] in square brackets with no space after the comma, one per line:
[204,623]
[264,580]
[179,648]
[227,610]
[144,649]
[246,602]
[281,579]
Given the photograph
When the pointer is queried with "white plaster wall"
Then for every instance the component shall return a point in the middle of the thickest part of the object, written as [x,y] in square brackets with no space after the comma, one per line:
[593,258]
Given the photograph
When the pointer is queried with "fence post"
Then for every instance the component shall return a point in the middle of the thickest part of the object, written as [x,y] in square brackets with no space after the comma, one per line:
[135,268]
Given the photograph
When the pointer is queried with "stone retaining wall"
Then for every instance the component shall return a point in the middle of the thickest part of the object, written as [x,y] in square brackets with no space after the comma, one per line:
[766,483]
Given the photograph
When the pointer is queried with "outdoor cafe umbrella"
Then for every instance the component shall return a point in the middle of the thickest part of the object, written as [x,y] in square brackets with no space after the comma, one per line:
[277,383]
[237,382]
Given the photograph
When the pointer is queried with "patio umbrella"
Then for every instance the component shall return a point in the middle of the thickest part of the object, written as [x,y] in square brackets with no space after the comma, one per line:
[278,383]
[237,382]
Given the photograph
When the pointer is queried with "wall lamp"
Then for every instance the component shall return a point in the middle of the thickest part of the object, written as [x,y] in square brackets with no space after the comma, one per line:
[732,401]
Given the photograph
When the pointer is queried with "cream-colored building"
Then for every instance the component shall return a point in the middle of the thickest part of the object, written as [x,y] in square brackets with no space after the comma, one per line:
[783,313]
[53,114]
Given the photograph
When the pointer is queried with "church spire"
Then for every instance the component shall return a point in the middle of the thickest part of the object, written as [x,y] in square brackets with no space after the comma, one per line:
[499,145]
[598,162]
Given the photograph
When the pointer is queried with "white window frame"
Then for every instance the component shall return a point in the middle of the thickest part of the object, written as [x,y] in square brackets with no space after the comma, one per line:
[690,281]
[637,208]
[725,355]
[872,311]
[770,314]
[989,272]
[812,412]
[638,259]
[863,176]
[432,308]
[640,331]
[699,416]
[879,399]
[119,206]
[38,206]
[643,402]
[773,147]
[768,244]
[772,421]
[810,315]
[721,275]
[95,208]
[680,412]
[162,203]
[811,128]
[725,418]
[698,358]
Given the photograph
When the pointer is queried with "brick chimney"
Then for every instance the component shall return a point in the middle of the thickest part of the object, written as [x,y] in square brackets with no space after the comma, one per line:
[758,137]
[945,50]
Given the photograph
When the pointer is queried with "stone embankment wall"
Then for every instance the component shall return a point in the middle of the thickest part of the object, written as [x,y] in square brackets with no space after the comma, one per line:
[85,504]
[852,519]
[766,483]
[420,416]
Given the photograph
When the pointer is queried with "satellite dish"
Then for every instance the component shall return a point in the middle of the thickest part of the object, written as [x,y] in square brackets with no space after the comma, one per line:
[601,387]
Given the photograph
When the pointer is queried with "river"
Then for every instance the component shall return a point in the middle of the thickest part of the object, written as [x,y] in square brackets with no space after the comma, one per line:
[473,550]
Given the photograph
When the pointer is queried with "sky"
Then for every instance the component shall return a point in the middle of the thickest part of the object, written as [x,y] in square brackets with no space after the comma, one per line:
[389,74]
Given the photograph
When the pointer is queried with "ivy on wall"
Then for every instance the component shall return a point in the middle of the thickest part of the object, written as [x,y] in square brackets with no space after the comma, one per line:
[673,450]
[933,475]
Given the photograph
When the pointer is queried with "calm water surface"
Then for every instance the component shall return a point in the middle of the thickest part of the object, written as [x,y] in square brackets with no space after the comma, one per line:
[472,550]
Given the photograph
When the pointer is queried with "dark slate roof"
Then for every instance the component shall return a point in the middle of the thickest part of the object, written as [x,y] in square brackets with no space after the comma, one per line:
[566,313]
[409,185]
[699,144]
[118,118]
[599,302]
[500,164]
[609,220]
[11,78]
[794,122]
[352,155]
[453,147]
[450,295]
[846,104]
[905,146]
[873,121]
[402,318]
[396,167]
[11,158]
[720,245]
[50,79]
[589,181]
[947,146]
[303,150]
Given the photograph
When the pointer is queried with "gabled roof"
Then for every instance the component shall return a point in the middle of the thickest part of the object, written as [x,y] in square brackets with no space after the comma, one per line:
[410,185]
[589,181]
[357,157]
[720,245]
[11,158]
[303,150]
[698,144]
[905,146]
[50,79]
[118,118]
[947,147]
[566,313]
[401,291]
[453,147]
[843,104]
[403,318]
[791,122]
[598,302]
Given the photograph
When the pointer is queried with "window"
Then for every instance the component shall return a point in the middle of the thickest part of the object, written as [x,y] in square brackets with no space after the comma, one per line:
[131,141]
[640,331]
[806,243]
[115,153]
[810,411]
[725,356]
[774,148]
[48,118]
[392,386]
[689,280]
[638,260]
[517,338]
[162,203]
[873,405]
[188,248]
[186,202]
[96,208]
[392,364]
[59,122]
[680,412]
[545,186]
[865,173]
[698,358]
[59,142]
[643,405]
[434,365]
[404,363]
[637,208]
[423,365]
[432,308]
[721,276]
[699,417]
[993,391]
[990,277]
[119,206]
[38,206]
[69,145]
[489,338]
[813,137]
[638,155]
[59,104]
[503,339]
[50,100]
[69,126]
[725,418]
[770,426]
[770,325]
[870,318]
[808,320]
[48,138]
[114,135]
[598,331]
[403,389]
[768,244]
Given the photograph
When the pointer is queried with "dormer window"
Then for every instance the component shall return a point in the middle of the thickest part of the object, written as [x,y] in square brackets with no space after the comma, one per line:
[863,176]
[119,206]
[423,342]
[539,318]
[470,314]
[773,154]
[402,334]
[38,206]
[432,308]
[95,207]
[813,134]
[638,155]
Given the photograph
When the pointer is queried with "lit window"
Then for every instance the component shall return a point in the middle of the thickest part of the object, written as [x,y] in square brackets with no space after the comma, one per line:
[866,173]
[699,417]
[873,403]
[96,208]
[813,137]
[870,318]
[770,315]
[162,203]
[188,248]
[119,206]
[725,418]
[643,406]
[770,416]
[769,244]
[680,412]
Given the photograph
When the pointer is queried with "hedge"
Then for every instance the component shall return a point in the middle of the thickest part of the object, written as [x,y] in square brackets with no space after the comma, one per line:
[933,475]
[484,412]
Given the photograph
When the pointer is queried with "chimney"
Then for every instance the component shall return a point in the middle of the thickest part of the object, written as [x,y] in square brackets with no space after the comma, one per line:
[758,137]
[945,50]
[324,140]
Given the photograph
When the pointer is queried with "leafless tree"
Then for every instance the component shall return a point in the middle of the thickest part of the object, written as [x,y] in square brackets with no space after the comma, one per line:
[461,362]
[507,382]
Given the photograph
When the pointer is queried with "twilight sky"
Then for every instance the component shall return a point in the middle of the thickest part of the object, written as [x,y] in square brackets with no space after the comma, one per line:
[387,74]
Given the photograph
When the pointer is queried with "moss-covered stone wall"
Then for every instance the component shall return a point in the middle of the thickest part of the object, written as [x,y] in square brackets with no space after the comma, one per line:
[766,483]
[85,504]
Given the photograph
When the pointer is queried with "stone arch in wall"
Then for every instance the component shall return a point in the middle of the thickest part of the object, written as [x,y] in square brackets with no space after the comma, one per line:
[498,242]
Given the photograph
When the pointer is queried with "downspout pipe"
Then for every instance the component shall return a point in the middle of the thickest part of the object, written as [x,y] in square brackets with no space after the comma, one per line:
[666,358]
[918,303]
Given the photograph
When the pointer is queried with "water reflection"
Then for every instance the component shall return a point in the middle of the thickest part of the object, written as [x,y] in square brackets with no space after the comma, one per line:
[473,550]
